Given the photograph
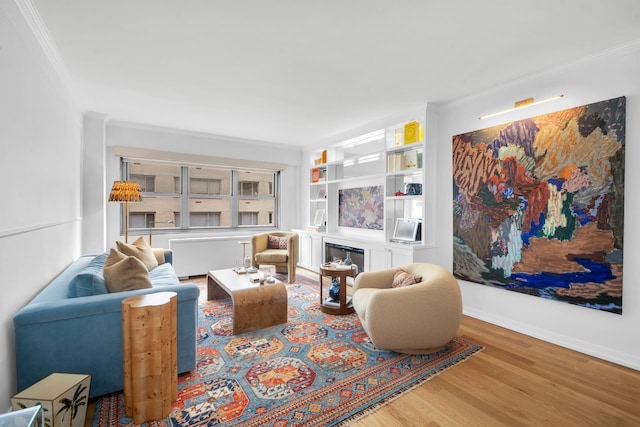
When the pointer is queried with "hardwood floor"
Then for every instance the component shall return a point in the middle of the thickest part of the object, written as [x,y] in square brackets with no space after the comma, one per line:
[515,381]
[518,381]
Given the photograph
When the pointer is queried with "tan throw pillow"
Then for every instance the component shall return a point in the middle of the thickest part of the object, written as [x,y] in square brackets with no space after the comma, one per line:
[125,273]
[402,278]
[159,254]
[141,250]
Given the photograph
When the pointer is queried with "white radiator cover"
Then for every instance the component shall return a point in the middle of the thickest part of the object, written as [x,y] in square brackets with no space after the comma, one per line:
[196,256]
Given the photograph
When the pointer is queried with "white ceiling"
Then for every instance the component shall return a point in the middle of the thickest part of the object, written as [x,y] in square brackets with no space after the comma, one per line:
[298,71]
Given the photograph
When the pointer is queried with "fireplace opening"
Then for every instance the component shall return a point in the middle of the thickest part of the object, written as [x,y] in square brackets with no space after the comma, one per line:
[335,252]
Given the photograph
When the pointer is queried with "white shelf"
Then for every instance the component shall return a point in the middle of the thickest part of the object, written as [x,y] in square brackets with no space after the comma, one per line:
[405,147]
[356,178]
[365,163]
[411,171]
[404,197]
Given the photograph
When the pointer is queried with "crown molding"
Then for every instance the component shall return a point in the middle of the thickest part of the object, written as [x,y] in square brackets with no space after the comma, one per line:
[41,33]
[125,124]
[144,154]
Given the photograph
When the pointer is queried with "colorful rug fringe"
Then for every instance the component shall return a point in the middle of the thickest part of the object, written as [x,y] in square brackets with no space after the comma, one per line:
[315,370]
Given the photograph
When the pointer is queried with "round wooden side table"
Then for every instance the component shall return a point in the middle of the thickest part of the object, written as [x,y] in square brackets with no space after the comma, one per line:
[340,273]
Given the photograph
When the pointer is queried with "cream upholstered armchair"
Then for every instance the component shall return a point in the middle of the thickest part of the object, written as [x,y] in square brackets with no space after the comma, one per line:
[419,318]
[279,248]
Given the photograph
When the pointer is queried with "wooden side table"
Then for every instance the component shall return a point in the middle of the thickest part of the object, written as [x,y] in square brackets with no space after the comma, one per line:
[150,355]
[344,307]
[63,397]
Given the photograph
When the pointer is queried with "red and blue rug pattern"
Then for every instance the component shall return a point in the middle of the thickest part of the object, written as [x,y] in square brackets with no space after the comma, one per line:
[315,370]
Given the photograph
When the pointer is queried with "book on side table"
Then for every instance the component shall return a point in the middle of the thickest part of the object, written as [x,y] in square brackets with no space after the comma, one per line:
[333,303]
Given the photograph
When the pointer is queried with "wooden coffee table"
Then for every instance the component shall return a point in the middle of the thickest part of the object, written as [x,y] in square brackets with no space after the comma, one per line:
[255,306]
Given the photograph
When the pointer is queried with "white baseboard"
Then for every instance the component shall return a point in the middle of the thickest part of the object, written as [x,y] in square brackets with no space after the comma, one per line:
[629,360]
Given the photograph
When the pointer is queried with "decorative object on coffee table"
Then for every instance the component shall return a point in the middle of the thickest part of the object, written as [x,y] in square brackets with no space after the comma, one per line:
[150,355]
[244,266]
[246,261]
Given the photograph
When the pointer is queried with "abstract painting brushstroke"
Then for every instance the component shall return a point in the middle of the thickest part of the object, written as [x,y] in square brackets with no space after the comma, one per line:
[538,205]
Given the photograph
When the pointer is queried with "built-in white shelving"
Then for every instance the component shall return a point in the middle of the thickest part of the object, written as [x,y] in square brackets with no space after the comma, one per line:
[380,158]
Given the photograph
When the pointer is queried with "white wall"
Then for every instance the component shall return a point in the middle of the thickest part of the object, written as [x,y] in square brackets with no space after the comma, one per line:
[605,335]
[155,138]
[94,202]
[40,163]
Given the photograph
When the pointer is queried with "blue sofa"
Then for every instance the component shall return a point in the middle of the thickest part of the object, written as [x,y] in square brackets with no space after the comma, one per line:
[83,334]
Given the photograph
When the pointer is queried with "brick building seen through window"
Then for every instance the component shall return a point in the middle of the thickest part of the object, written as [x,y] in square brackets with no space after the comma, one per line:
[187,197]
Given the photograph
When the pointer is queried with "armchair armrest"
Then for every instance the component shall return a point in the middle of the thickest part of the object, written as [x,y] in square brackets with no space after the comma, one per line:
[380,279]
[292,244]
[259,243]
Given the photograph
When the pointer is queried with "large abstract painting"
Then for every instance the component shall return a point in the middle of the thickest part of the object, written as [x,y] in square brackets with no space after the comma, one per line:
[538,205]
[361,207]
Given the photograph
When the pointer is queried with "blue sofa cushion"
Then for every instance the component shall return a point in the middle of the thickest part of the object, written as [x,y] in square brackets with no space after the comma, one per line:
[163,275]
[89,281]
[87,285]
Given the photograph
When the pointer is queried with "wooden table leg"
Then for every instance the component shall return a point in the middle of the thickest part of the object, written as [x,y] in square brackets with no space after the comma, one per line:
[259,307]
[214,290]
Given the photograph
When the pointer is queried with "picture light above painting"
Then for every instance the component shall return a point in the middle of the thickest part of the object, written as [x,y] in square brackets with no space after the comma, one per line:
[539,203]
[529,102]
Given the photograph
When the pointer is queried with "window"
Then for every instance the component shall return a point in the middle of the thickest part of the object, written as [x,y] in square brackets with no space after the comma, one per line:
[147,182]
[204,219]
[141,220]
[248,188]
[256,200]
[189,197]
[248,218]
[205,186]
[160,185]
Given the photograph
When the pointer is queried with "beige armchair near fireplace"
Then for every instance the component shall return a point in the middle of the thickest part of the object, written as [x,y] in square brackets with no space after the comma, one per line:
[279,248]
[420,318]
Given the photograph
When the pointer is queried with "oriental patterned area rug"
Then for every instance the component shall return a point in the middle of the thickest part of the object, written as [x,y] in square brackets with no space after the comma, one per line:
[315,370]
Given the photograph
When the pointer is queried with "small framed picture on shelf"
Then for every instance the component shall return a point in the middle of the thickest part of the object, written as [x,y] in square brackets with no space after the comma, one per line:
[322,193]
[319,218]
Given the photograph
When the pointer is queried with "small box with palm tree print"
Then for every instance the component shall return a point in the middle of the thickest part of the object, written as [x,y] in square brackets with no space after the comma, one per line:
[63,398]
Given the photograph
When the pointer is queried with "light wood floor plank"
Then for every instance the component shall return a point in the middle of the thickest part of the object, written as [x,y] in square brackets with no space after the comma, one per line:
[521,381]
